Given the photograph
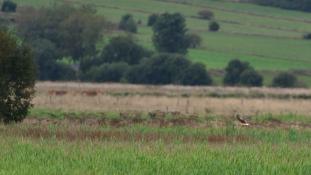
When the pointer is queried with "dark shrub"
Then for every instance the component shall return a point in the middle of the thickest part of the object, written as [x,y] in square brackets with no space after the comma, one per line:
[250,77]
[307,36]
[303,5]
[285,80]
[234,70]
[63,72]
[88,62]
[160,69]
[152,19]
[113,72]
[214,26]
[128,24]
[169,33]
[8,6]
[206,14]
[123,49]
[17,79]
[196,74]
[194,40]
[136,74]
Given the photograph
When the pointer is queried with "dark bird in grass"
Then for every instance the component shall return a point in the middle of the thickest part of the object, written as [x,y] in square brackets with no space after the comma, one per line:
[242,121]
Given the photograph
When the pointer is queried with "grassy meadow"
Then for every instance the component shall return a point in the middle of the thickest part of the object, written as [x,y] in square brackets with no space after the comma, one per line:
[269,38]
[61,146]
[97,129]
[84,128]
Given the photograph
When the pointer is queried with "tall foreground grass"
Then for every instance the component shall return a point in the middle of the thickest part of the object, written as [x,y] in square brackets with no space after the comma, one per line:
[53,149]
[18,156]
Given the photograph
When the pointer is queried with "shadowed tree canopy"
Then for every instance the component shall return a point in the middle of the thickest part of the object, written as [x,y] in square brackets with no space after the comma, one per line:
[128,24]
[17,79]
[233,71]
[285,80]
[74,31]
[170,33]
[168,69]
[124,49]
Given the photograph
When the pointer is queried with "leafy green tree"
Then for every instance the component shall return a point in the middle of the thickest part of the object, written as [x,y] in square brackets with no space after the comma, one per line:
[74,31]
[48,67]
[87,63]
[113,72]
[193,40]
[234,70]
[214,26]
[128,24]
[17,79]
[152,19]
[8,6]
[159,69]
[196,74]
[124,49]
[285,80]
[250,78]
[170,33]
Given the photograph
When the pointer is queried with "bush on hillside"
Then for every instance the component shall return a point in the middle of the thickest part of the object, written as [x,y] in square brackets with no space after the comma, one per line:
[113,72]
[168,69]
[196,74]
[285,80]
[251,78]
[214,26]
[206,14]
[160,69]
[128,24]
[123,49]
[194,40]
[307,36]
[234,70]
[152,19]
[8,6]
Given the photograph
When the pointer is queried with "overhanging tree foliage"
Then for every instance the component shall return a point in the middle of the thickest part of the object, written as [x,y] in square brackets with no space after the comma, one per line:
[17,79]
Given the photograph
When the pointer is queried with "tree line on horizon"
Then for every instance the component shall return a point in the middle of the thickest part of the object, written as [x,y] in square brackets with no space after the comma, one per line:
[301,5]
[64,42]
[60,43]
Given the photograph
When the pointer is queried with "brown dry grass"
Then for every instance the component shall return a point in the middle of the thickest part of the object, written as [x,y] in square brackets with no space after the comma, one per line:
[97,97]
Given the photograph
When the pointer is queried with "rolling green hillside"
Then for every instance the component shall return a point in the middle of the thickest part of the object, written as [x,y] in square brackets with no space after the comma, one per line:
[269,38]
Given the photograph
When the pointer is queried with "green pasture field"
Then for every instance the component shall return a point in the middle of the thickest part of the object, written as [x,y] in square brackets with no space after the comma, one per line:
[269,38]
[152,149]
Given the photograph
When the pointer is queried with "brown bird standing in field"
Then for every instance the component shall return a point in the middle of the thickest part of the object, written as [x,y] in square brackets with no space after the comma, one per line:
[242,121]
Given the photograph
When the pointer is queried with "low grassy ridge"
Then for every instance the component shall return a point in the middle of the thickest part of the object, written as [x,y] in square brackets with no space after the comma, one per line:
[269,38]
[52,143]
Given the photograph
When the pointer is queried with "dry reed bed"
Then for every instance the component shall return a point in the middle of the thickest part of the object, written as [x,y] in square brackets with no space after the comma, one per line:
[171,90]
[97,97]
[192,105]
